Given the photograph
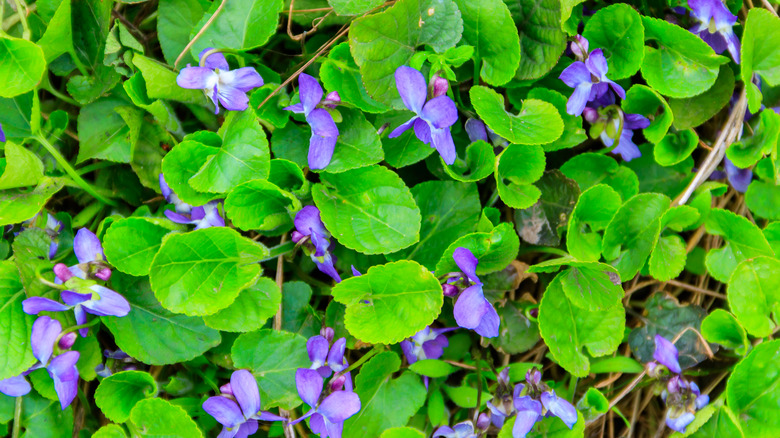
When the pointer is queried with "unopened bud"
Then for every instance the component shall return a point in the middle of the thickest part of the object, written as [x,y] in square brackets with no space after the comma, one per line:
[440,86]
[580,47]
[332,99]
[533,377]
[483,421]
[226,389]
[449,290]
[327,333]
[67,340]
[591,115]
[297,237]
[62,272]
[338,383]
[103,274]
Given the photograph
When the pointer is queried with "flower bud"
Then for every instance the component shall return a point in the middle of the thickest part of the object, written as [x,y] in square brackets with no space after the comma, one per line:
[483,421]
[591,115]
[297,237]
[449,290]
[62,272]
[338,383]
[67,340]
[332,99]
[327,333]
[226,389]
[440,86]
[533,377]
[103,274]
[580,47]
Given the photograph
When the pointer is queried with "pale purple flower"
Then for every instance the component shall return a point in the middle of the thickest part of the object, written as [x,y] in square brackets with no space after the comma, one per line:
[433,118]
[324,132]
[204,216]
[464,429]
[308,224]
[222,85]
[428,343]
[477,130]
[666,354]
[472,310]
[327,358]
[579,47]
[502,404]
[714,26]
[682,399]
[589,80]
[172,198]
[534,401]
[237,409]
[738,178]
[328,411]
[610,121]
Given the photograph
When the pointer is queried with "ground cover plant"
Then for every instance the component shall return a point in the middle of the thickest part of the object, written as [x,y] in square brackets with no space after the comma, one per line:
[392,219]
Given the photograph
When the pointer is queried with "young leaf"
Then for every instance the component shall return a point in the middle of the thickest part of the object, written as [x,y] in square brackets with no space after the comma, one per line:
[754,294]
[494,250]
[751,391]
[618,30]
[537,122]
[759,53]
[117,394]
[156,417]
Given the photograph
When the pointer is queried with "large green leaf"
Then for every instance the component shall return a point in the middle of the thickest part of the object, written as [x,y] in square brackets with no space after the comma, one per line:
[589,169]
[573,133]
[241,25]
[668,258]
[592,286]
[152,334]
[488,26]
[22,167]
[175,21]
[58,38]
[721,327]
[385,402]
[747,151]
[754,294]
[647,102]
[15,325]
[494,250]
[131,244]
[763,199]
[181,164]
[759,53]
[541,40]
[159,418]
[353,7]
[339,72]
[618,31]
[382,42]
[744,240]
[261,205]
[273,357]
[517,168]
[18,205]
[201,272]
[752,391]
[117,394]
[161,82]
[544,222]
[368,209]
[593,212]
[389,302]
[538,122]
[22,65]
[693,111]
[105,133]
[251,309]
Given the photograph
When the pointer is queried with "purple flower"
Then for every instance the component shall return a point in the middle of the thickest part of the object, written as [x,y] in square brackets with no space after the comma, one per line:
[324,133]
[472,310]
[682,399]
[477,130]
[204,216]
[502,404]
[327,358]
[327,412]
[738,178]
[666,354]
[221,84]
[2,134]
[714,26]
[606,122]
[172,198]
[529,411]
[589,80]
[428,343]
[536,400]
[47,332]
[308,224]
[464,429]
[433,118]
[238,407]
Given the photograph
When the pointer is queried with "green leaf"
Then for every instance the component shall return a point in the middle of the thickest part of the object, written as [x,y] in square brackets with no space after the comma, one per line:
[693,111]
[110,431]
[18,205]
[251,309]
[353,7]
[722,422]
[15,115]
[616,364]
[175,21]
[537,122]
[105,133]
[161,110]
[653,177]
[633,233]
[181,164]
[754,294]
[517,333]
[58,38]
[751,391]
[340,72]
[15,325]
[544,222]
[389,302]
[759,53]
[131,244]
[273,357]
[573,133]
[676,147]
[432,368]
[494,250]
[488,26]
[382,42]
[517,168]
[158,418]
[618,30]
[22,167]
[763,199]
[683,65]
[386,402]
[45,418]
[118,393]
[201,272]
[244,156]
[298,316]
[744,240]
[592,286]
[260,205]
[589,169]
[402,432]
[668,258]
[593,404]
[479,164]
[449,210]
[161,83]
[647,102]
[31,254]
[241,25]
[272,112]
[152,334]
[566,329]
[23,65]
[721,327]
[593,212]
[749,150]
[406,149]
[541,40]
[368,209]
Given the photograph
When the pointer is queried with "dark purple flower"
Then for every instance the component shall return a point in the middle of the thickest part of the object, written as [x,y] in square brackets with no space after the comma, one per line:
[326,357]
[324,133]
[529,411]
[327,412]
[308,224]
[464,429]
[682,399]
[472,310]
[16,386]
[626,147]
[477,130]
[536,400]
[666,354]
[433,118]
[219,83]
[2,134]
[428,343]
[714,26]
[238,407]
[738,178]
[589,80]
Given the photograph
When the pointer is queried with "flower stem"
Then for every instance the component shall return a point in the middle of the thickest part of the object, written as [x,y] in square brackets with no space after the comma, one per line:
[79,327]
[22,12]
[279,250]
[45,281]
[17,418]
[378,348]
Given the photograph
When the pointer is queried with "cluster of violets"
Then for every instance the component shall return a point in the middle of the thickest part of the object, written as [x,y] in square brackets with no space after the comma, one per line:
[682,397]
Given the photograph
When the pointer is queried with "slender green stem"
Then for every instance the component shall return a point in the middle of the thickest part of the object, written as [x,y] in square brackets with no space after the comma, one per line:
[72,172]
[279,250]
[17,418]
[82,219]
[95,166]
[22,12]
[48,87]
[493,198]
[45,281]
[2,22]
[79,327]
[378,348]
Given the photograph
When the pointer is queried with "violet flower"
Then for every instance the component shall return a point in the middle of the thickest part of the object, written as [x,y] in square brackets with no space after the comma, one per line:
[502,404]
[47,332]
[219,83]
[173,198]
[472,310]
[328,411]
[88,297]
[237,409]
[714,26]
[738,178]
[464,429]
[327,358]
[666,354]
[589,80]
[609,122]
[433,118]
[428,343]
[536,400]
[477,130]
[204,216]
[2,134]
[308,224]
[324,132]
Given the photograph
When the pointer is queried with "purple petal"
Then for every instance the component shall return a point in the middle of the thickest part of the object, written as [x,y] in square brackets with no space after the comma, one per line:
[310,92]
[322,123]
[87,246]
[339,406]
[412,88]
[317,347]
[326,267]
[320,151]
[488,325]
[232,98]
[715,40]
[215,61]
[732,42]
[738,178]
[560,408]
[81,319]
[578,99]
[244,79]
[575,74]
[211,216]
[435,349]
[165,188]
[402,128]
[35,305]
[74,298]
[109,304]
[308,221]
[408,348]
[529,411]
[224,410]
[246,429]
[440,112]
[44,333]
[616,88]
[66,377]
[597,63]
[2,134]
[476,130]
[635,121]
[464,429]
[317,425]
[297,108]
[15,386]
[626,148]
[334,430]
[355,272]
[177,218]
[422,130]
[336,355]
[442,141]
[244,387]
[680,423]
[268,416]
[470,307]
[309,384]
[444,431]
[196,78]
[666,354]
[228,432]
[467,263]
